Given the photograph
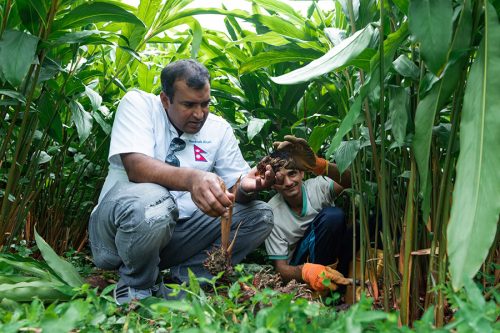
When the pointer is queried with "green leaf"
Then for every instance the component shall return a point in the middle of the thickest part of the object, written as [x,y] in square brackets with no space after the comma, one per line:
[346,125]
[429,105]
[32,13]
[146,77]
[49,117]
[406,67]
[68,320]
[13,94]
[319,135]
[28,267]
[402,5]
[338,57]
[102,123]
[265,59]
[17,53]
[431,22]
[293,94]
[197,36]
[83,37]
[398,113]
[44,290]
[95,12]
[281,26]
[82,120]
[281,8]
[476,196]
[346,153]
[271,38]
[255,125]
[64,270]
[94,97]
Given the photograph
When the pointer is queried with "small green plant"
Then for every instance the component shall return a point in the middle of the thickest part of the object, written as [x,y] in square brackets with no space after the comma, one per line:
[24,278]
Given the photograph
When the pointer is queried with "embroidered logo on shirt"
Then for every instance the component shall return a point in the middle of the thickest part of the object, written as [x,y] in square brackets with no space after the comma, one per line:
[198,154]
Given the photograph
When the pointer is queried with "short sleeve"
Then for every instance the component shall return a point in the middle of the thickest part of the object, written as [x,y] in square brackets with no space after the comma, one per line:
[229,162]
[132,128]
[321,192]
[276,245]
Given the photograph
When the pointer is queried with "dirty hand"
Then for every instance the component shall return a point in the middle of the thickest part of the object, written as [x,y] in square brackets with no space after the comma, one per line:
[257,181]
[302,154]
[314,274]
[209,194]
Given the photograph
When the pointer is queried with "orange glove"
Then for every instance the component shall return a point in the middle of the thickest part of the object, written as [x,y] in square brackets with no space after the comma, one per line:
[302,155]
[315,274]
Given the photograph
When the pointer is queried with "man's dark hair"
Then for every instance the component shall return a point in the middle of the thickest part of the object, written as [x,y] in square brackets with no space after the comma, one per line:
[195,74]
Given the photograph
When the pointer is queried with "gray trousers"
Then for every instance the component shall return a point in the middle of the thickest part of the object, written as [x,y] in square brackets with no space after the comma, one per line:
[136,230]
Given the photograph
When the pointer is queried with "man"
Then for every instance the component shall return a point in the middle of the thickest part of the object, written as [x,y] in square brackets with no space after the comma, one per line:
[309,234]
[161,200]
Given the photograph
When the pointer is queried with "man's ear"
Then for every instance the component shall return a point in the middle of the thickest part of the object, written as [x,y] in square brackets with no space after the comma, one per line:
[165,101]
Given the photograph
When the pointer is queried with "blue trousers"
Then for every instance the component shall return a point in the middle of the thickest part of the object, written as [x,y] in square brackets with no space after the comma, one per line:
[326,240]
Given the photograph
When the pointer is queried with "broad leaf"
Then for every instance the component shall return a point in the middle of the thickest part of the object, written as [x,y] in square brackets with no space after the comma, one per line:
[94,97]
[345,154]
[45,290]
[64,270]
[434,101]
[146,77]
[82,120]
[398,113]
[281,8]
[32,13]
[265,59]
[197,36]
[255,126]
[319,135]
[431,22]
[337,57]
[476,196]
[271,38]
[17,52]
[95,12]
[346,125]
[83,37]
[406,67]
[281,26]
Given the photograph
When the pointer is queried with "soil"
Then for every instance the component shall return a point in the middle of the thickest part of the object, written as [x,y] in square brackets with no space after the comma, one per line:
[276,160]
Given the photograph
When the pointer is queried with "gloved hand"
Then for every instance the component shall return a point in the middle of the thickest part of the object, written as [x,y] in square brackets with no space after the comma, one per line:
[302,154]
[314,274]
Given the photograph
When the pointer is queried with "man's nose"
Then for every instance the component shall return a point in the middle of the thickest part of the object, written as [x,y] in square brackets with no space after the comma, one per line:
[198,112]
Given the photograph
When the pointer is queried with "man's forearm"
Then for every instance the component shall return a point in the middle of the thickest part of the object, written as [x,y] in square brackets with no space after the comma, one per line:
[343,179]
[144,169]
[288,272]
[244,197]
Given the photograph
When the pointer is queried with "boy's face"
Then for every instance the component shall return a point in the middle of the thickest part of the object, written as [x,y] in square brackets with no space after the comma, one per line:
[292,183]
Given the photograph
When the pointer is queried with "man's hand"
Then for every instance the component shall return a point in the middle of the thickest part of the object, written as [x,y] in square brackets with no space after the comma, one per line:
[255,181]
[314,275]
[299,151]
[208,194]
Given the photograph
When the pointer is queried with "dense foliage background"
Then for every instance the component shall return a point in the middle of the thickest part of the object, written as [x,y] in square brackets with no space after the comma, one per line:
[403,92]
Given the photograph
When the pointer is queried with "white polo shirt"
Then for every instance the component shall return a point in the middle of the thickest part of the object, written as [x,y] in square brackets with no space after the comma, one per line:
[289,228]
[141,125]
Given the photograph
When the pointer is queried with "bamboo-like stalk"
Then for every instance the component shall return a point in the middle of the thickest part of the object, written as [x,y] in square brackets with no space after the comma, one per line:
[226,220]
[406,248]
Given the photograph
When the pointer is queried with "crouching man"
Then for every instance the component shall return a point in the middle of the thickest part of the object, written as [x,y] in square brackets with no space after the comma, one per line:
[162,199]
[309,241]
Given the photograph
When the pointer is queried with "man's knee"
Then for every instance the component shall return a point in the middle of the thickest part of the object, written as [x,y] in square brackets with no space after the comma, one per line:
[156,210]
[333,218]
[256,216]
[263,214]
